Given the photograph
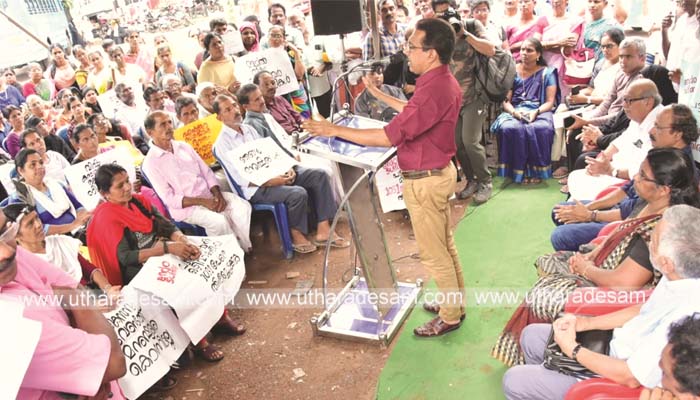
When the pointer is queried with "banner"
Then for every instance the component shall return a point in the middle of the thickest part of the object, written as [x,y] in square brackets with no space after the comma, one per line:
[108,102]
[20,341]
[6,177]
[135,154]
[389,183]
[233,44]
[275,61]
[260,160]
[201,135]
[150,338]
[689,93]
[81,176]
[197,290]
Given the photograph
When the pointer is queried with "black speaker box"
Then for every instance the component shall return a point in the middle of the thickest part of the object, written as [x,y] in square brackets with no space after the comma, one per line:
[333,17]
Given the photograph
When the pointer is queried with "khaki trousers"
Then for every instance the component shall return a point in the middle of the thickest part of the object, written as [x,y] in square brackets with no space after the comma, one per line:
[427,201]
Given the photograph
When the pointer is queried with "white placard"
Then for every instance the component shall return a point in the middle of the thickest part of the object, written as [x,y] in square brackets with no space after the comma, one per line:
[6,177]
[197,290]
[389,183]
[81,176]
[233,43]
[150,338]
[109,103]
[21,339]
[260,160]
[275,61]
[689,93]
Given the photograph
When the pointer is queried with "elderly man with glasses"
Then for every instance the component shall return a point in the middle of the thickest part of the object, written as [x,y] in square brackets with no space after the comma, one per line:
[621,160]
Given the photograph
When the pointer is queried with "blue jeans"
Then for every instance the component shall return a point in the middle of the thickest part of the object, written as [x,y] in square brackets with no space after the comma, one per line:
[571,236]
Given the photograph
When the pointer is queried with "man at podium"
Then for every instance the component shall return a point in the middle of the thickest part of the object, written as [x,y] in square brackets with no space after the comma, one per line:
[423,133]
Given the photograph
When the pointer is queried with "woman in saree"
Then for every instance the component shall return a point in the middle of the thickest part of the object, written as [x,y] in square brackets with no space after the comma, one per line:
[597,26]
[60,250]
[126,230]
[298,98]
[529,26]
[620,262]
[525,129]
[560,36]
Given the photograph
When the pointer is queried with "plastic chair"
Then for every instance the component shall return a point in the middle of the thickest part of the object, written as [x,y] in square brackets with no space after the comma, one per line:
[194,230]
[278,210]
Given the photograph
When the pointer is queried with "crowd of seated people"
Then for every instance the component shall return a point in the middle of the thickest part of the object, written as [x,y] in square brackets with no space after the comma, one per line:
[626,129]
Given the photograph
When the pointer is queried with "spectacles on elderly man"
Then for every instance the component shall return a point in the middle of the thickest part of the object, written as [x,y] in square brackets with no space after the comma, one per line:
[628,100]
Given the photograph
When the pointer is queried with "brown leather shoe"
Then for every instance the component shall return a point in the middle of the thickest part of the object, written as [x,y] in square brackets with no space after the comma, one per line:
[435,327]
[435,309]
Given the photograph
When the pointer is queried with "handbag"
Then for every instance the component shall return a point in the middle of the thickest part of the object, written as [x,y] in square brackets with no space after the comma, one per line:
[579,64]
[597,341]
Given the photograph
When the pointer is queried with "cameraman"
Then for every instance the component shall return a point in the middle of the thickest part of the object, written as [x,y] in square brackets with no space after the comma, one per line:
[470,153]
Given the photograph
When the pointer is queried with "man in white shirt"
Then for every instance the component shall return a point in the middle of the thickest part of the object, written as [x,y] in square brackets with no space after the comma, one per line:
[678,44]
[621,160]
[129,110]
[297,189]
[640,331]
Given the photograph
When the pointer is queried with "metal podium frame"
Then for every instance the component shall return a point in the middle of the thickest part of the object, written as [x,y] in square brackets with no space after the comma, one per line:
[346,318]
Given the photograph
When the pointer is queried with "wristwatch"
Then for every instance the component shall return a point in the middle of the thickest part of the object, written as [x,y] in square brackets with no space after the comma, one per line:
[575,351]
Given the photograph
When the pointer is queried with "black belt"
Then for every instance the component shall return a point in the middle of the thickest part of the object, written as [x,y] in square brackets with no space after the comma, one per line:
[421,174]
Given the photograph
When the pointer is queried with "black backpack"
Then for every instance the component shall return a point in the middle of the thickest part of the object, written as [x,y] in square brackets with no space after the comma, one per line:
[494,74]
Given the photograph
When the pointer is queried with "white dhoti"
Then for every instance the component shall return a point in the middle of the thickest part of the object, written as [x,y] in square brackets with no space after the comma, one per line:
[583,186]
[235,219]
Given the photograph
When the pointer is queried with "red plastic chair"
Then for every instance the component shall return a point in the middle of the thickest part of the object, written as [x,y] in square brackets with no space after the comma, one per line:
[601,389]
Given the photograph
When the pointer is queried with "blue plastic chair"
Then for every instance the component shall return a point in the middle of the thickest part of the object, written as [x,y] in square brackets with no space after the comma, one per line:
[278,210]
[194,230]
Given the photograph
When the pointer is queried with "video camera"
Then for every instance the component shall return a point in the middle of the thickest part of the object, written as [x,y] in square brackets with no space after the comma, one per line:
[453,18]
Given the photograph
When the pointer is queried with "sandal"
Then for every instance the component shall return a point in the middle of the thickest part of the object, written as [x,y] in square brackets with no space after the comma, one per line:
[535,181]
[435,327]
[563,181]
[304,248]
[165,383]
[561,172]
[229,326]
[338,242]
[209,353]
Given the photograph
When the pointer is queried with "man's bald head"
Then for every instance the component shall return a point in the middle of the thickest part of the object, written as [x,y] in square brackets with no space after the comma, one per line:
[641,97]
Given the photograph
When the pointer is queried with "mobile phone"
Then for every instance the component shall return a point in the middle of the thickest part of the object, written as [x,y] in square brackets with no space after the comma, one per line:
[575,90]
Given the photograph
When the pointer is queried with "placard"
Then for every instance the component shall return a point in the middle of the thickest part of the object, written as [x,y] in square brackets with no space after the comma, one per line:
[197,290]
[81,176]
[233,44]
[150,338]
[275,61]
[136,156]
[389,183]
[201,135]
[20,342]
[689,94]
[260,160]
[6,177]
[109,102]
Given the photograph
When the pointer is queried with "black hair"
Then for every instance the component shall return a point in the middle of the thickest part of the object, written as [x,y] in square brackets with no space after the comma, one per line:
[182,102]
[106,44]
[21,157]
[87,90]
[216,105]
[475,3]
[207,39]
[105,175]
[148,91]
[436,3]
[244,92]
[70,100]
[24,135]
[439,35]
[33,122]
[538,48]
[75,134]
[114,50]
[216,22]
[684,339]
[684,122]
[57,46]
[617,35]
[150,122]
[256,77]
[673,168]
[8,110]
[275,5]
[14,210]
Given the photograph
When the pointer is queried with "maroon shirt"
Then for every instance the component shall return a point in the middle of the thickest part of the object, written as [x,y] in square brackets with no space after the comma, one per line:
[284,114]
[424,132]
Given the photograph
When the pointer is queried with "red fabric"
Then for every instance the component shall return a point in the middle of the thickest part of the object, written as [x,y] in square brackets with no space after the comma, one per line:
[600,301]
[106,230]
[424,131]
[617,236]
[601,388]
[610,189]
[607,230]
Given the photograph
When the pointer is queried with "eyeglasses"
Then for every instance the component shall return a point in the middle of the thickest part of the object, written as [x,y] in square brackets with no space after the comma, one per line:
[644,177]
[475,11]
[276,35]
[628,101]
[408,47]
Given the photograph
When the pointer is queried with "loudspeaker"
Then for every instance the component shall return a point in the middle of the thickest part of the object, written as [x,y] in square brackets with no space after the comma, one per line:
[333,17]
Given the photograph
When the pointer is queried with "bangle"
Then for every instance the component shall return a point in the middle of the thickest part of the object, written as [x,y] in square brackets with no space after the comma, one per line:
[575,351]
[165,247]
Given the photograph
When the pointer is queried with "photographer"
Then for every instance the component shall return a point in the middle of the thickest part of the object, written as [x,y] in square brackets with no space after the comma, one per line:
[470,153]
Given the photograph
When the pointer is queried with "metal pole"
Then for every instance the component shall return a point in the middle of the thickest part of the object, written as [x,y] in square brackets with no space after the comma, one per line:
[23,29]
[374,30]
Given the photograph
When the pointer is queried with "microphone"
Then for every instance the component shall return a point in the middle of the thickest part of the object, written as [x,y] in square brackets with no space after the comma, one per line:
[384,61]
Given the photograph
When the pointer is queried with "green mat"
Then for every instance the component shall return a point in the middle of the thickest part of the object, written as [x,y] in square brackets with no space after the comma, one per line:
[498,243]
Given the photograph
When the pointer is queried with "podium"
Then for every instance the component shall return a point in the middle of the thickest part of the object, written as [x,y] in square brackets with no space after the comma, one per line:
[373,304]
